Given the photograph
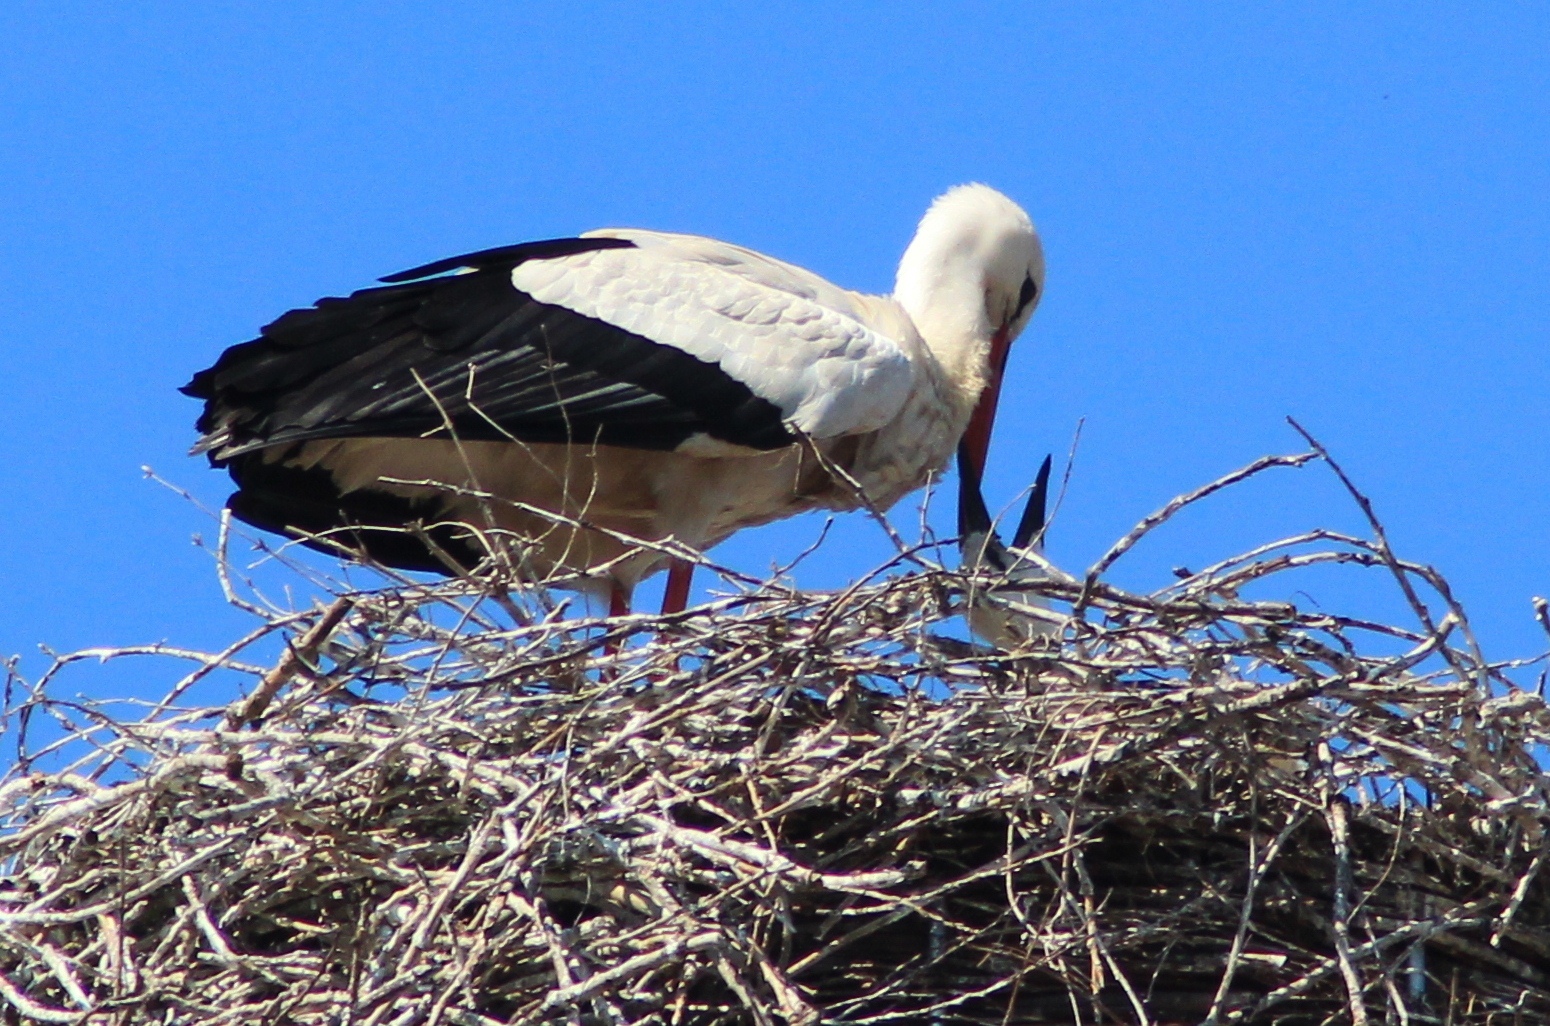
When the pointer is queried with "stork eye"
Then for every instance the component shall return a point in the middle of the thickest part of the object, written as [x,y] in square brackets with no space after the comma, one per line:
[1026,296]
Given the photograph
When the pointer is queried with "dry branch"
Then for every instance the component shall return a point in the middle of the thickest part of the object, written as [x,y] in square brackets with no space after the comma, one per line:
[444,805]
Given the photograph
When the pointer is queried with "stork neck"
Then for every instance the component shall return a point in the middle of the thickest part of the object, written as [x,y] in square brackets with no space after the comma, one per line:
[946,302]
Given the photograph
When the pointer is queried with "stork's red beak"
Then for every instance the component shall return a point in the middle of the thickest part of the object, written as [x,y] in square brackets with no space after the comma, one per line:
[976,438]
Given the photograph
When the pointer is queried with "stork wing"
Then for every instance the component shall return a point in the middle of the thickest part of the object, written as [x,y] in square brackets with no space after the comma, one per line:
[794,339]
[643,341]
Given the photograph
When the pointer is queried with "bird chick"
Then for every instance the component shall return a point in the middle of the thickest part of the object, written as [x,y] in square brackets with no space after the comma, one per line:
[1002,608]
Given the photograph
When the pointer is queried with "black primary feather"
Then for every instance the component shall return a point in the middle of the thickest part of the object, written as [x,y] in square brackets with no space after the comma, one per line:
[510,256]
[404,360]
[294,501]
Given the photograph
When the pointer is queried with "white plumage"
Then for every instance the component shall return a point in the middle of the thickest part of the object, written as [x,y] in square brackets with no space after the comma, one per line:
[794,339]
[653,384]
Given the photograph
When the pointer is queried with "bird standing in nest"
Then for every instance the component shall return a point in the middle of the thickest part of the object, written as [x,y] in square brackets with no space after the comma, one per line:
[573,394]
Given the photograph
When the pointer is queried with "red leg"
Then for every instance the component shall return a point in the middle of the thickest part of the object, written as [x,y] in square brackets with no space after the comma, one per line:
[618,605]
[618,600]
[676,596]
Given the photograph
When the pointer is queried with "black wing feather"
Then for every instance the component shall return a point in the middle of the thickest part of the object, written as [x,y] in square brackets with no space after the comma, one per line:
[405,359]
[290,501]
[509,256]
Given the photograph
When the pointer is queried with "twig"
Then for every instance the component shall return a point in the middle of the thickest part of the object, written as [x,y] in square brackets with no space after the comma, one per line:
[791,807]
[1335,815]
[1153,520]
[1259,864]
[297,657]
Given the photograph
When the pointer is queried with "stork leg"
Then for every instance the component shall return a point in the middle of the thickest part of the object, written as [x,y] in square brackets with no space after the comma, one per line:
[679,574]
[618,605]
[618,600]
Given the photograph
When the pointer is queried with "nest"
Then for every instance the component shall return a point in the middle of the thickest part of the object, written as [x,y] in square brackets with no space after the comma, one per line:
[448,804]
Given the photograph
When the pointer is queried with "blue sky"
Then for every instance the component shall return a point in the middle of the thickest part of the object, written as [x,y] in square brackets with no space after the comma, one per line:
[1334,212]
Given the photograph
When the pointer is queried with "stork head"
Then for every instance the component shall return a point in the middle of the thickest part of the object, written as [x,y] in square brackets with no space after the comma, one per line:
[970,281]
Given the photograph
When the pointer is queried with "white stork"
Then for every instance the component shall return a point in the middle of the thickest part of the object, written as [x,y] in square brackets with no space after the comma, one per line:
[1002,609]
[650,384]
